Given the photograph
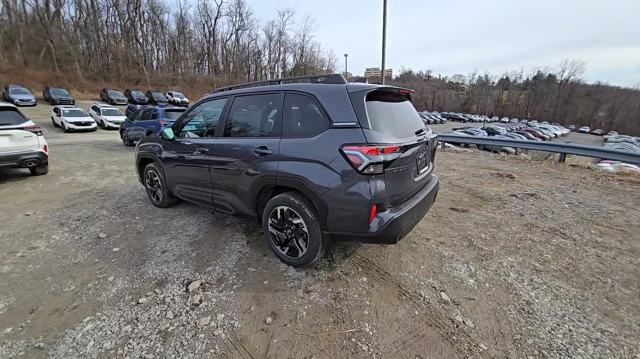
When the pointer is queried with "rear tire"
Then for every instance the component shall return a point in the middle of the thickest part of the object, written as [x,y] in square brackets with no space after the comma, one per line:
[156,186]
[39,170]
[297,231]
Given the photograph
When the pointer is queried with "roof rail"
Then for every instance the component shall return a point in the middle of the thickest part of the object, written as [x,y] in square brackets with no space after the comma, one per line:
[332,79]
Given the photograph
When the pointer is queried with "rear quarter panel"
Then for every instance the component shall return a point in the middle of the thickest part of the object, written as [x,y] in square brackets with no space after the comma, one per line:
[318,164]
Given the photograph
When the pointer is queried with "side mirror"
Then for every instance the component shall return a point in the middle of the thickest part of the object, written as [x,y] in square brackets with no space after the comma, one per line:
[167,134]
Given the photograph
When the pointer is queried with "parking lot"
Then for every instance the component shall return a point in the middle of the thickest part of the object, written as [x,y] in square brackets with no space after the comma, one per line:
[518,258]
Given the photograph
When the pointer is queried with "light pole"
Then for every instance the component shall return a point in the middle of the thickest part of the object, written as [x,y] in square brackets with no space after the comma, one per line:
[346,71]
[384,36]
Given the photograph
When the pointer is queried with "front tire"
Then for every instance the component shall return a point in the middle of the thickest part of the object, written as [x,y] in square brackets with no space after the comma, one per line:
[156,186]
[54,122]
[290,224]
[39,170]
[125,139]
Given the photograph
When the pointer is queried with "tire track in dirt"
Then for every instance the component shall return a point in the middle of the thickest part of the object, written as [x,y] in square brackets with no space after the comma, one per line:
[235,348]
[461,343]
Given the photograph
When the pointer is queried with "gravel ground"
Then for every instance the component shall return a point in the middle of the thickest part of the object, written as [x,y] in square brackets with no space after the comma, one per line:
[518,258]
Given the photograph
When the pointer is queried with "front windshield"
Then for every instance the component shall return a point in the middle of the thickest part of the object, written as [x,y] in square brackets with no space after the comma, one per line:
[178,95]
[19,91]
[158,96]
[114,93]
[59,92]
[111,112]
[74,112]
[137,93]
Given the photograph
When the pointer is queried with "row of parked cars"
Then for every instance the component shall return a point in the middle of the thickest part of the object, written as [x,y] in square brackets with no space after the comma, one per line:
[465,118]
[19,95]
[618,142]
[513,131]
[136,122]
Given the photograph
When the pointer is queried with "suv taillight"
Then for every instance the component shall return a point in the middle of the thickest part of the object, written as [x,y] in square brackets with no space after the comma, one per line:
[370,159]
[35,129]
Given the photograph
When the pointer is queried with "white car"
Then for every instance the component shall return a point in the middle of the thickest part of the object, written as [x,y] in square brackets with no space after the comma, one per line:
[584,129]
[22,144]
[177,98]
[106,116]
[72,118]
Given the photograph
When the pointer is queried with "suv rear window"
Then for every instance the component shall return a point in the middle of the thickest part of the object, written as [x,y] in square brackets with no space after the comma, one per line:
[392,113]
[173,114]
[10,117]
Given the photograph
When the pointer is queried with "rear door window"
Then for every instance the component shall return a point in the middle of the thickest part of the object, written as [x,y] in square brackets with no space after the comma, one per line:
[147,115]
[392,113]
[10,117]
[302,117]
[254,116]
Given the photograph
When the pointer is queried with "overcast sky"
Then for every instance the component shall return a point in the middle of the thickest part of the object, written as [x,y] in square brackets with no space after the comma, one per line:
[459,36]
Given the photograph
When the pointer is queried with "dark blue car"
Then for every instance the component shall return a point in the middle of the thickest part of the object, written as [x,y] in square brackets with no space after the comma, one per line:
[146,120]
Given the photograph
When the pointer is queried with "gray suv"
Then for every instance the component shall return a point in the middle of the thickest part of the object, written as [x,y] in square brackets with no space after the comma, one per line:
[313,159]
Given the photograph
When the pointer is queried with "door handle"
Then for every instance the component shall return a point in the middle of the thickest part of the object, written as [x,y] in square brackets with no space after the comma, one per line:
[262,151]
[201,150]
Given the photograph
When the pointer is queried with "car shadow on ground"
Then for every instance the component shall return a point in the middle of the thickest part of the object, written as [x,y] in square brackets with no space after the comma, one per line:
[13,174]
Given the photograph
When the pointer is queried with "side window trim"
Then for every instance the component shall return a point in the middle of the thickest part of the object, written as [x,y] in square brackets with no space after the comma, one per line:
[222,125]
[325,116]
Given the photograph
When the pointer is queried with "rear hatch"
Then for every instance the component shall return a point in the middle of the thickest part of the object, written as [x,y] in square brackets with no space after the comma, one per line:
[170,116]
[17,133]
[408,147]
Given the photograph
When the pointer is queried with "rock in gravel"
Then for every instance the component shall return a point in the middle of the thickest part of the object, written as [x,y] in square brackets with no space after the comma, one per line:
[102,235]
[28,214]
[445,298]
[169,315]
[268,321]
[142,300]
[469,323]
[482,346]
[195,285]
[116,249]
[218,332]
[459,319]
[505,175]
[203,322]
[220,317]
[110,279]
[196,300]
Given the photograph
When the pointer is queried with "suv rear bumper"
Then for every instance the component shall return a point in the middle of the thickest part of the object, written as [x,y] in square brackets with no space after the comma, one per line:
[24,160]
[400,222]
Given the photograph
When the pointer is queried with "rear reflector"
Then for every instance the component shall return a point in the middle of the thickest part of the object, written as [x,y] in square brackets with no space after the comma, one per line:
[373,212]
[45,148]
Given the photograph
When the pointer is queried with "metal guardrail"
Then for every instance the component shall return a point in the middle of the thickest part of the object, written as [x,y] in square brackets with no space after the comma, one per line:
[563,149]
